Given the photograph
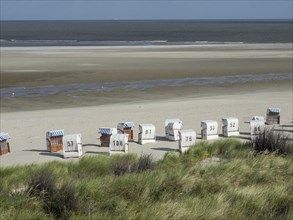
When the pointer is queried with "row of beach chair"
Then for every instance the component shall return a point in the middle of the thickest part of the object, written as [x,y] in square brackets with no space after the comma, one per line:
[118,138]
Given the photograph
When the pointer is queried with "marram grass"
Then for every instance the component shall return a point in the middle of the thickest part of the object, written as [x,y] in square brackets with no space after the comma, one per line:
[217,180]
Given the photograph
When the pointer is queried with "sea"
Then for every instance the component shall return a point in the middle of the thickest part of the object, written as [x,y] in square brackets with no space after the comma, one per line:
[143,32]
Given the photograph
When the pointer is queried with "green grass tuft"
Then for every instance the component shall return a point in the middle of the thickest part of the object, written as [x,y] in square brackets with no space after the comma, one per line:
[212,180]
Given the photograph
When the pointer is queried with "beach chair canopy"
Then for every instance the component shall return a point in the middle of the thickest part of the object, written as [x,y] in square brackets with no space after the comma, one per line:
[273,110]
[108,131]
[128,124]
[56,133]
[4,137]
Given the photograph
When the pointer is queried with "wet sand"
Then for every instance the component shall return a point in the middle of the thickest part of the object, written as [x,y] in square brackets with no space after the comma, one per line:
[31,66]
[124,97]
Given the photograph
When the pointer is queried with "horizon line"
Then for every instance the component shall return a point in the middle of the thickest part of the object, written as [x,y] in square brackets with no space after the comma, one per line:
[162,19]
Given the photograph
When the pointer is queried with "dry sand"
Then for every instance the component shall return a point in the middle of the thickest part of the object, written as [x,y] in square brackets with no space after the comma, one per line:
[27,122]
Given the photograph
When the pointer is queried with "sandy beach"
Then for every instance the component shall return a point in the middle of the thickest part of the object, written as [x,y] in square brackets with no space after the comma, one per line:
[27,119]
[28,129]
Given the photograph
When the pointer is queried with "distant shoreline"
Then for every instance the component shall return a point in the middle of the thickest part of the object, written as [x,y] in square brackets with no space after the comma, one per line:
[151,46]
[159,20]
[112,44]
[77,43]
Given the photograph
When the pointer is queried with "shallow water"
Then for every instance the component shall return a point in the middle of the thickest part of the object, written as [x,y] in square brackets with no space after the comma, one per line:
[71,89]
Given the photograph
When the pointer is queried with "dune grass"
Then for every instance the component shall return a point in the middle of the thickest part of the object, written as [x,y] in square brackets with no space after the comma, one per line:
[272,141]
[218,180]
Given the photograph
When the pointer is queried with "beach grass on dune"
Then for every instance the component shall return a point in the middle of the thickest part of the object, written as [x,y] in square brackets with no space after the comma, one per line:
[213,180]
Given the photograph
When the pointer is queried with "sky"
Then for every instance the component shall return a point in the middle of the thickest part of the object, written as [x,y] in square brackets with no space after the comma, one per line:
[144,9]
